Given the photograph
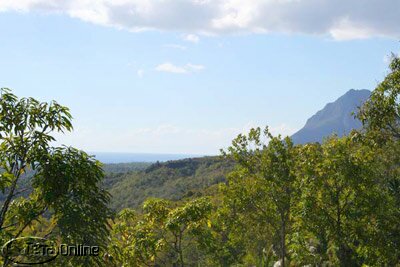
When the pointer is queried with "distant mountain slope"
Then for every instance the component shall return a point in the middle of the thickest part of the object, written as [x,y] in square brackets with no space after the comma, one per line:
[335,117]
[172,180]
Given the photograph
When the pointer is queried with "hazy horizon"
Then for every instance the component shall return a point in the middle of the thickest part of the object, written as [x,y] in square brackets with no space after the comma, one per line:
[124,157]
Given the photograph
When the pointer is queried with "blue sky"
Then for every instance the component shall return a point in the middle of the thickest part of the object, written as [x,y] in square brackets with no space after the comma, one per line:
[176,85]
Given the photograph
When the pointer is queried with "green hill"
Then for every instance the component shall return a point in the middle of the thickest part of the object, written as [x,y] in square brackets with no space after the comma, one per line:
[132,183]
[114,172]
[172,180]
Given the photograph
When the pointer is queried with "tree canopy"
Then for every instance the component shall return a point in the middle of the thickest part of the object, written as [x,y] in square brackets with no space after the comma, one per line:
[65,181]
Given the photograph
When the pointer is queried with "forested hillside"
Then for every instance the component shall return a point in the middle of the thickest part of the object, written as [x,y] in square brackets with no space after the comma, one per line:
[171,180]
[114,172]
[125,167]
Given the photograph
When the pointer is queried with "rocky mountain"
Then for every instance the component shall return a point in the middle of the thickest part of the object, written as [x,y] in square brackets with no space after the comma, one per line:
[335,117]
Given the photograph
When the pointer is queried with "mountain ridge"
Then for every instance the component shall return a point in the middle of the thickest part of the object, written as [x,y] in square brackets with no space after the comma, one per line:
[335,117]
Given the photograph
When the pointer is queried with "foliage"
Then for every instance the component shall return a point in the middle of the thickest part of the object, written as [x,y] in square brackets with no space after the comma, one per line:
[119,168]
[173,180]
[341,198]
[382,111]
[163,235]
[65,181]
[262,187]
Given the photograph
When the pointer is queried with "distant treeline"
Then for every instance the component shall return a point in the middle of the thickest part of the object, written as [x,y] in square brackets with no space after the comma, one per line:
[125,167]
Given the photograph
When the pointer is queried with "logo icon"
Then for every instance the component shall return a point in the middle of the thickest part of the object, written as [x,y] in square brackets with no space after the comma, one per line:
[30,250]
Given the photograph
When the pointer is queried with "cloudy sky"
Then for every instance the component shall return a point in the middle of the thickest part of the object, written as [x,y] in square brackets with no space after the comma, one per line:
[186,76]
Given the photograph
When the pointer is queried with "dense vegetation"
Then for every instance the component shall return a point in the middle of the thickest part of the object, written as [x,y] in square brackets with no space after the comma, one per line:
[65,191]
[172,180]
[330,204]
[125,167]
[113,172]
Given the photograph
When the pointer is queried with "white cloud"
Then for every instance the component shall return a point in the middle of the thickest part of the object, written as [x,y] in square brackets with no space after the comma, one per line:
[175,46]
[168,67]
[140,73]
[192,38]
[188,68]
[340,19]
[194,67]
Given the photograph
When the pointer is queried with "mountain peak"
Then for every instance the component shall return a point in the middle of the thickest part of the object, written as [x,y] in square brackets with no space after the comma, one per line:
[336,117]
[356,93]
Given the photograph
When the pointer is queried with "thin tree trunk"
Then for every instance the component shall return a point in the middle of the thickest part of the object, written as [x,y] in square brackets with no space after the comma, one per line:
[7,202]
[283,242]
[180,250]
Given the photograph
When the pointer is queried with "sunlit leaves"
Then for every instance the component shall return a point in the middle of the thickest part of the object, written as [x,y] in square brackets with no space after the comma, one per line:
[65,181]
[382,111]
[262,186]
[161,235]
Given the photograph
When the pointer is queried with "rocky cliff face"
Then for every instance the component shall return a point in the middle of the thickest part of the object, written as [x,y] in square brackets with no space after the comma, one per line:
[335,117]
